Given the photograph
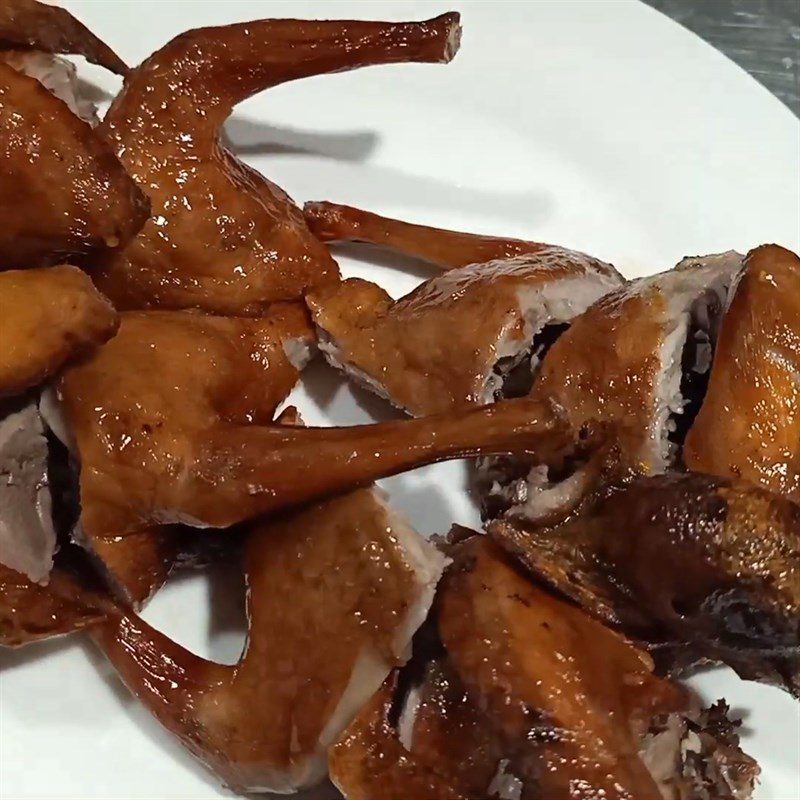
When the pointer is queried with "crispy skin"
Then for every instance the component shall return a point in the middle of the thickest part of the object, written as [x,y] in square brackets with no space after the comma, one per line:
[435,348]
[334,596]
[749,425]
[48,317]
[41,26]
[445,249]
[571,698]
[29,611]
[370,763]
[697,567]
[68,198]
[221,237]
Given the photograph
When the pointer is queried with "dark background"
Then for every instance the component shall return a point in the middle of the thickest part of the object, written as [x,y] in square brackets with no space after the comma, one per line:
[763,36]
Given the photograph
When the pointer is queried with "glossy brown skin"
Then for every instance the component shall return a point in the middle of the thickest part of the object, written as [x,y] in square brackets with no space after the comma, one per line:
[30,612]
[370,763]
[134,406]
[48,317]
[749,425]
[571,698]
[451,736]
[434,349]
[221,237]
[64,193]
[445,249]
[697,567]
[198,448]
[45,27]
[327,587]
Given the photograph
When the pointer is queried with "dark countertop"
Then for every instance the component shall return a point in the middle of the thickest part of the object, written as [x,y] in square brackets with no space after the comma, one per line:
[763,36]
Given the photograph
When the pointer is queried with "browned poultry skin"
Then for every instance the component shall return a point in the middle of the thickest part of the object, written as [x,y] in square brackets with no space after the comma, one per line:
[450,735]
[30,612]
[330,592]
[370,763]
[435,349]
[571,698]
[41,26]
[749,424]
[165,375]
[697,567]
[445,249]
[197,447]
[68,199]
[47,317]
[221,237]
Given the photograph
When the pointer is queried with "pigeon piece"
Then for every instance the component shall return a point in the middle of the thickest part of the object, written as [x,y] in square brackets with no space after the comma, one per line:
[69,200]
[47,318]
[221,237]
[698,568]
[126,414]
[749,425]
[335,593]
[578,706]
[636,362]
[441,248]
[29,25]
[470,336]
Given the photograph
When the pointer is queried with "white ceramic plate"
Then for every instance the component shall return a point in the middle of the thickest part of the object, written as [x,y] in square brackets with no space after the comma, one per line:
[596,124]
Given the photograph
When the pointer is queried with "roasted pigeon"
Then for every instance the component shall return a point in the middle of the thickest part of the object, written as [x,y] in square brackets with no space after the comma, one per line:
[749,424]
[698,568]
[70,199]
[335,593]
[534,699]
[221,237]
[48,317]
[636,362]
[471,336]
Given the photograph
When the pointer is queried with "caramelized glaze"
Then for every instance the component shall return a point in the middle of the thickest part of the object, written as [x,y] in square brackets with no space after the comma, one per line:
[47,317]
[749,425]
[221,237]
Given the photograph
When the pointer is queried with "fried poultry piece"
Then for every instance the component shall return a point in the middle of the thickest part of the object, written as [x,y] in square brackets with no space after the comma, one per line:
[48,28]
[577,705]
[199,448]
[48,317]
[700,569]
[30,612]
[370,762]
[749,424]
[637,361]
[71,199]
[127,413]
[470,336]
[222,237]
[334,592]
[445,249]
